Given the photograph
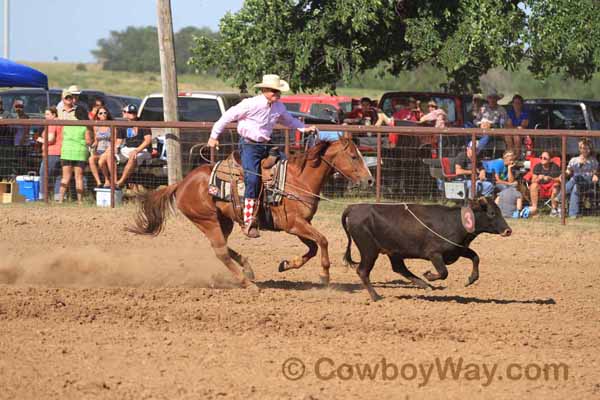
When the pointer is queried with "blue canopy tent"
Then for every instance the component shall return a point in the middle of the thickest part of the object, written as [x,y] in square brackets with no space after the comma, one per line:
[18,75]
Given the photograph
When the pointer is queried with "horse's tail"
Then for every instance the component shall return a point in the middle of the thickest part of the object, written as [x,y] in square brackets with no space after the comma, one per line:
[153,210]
[347,259]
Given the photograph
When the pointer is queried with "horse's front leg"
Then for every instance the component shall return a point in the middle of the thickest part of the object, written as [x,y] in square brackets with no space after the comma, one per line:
[309,235]
[298,262]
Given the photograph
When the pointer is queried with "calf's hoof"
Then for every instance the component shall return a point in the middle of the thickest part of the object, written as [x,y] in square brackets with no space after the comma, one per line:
[422,285]
[376,297]
[472,280]
[324,280]
[284,265]
[430,276]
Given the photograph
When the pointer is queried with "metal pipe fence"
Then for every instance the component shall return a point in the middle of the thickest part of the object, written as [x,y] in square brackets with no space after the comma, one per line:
[409,163]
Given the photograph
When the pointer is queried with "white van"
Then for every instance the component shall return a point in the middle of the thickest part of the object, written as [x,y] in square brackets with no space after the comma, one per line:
[193,106]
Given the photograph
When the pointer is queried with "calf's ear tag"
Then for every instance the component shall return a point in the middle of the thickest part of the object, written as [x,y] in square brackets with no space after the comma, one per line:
[467,217]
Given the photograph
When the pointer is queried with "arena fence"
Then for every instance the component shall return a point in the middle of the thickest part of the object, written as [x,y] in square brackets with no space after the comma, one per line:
[407,162]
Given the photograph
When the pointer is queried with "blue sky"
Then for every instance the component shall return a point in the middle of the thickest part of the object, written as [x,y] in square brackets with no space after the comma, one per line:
[69,29]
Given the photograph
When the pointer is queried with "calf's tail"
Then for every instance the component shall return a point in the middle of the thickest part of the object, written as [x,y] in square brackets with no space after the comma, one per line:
[347,260]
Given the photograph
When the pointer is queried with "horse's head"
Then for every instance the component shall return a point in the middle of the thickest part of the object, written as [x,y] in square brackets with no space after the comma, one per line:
[345,158]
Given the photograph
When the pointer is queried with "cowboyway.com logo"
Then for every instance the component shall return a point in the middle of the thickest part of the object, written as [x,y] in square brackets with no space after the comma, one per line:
[328,369]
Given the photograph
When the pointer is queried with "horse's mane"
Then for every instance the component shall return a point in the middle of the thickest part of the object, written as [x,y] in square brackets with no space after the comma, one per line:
[312,155]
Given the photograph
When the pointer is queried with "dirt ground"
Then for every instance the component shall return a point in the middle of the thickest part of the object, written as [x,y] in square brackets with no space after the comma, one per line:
[90,311]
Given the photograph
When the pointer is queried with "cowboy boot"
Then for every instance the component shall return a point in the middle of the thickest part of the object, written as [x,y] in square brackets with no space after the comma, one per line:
[249,229]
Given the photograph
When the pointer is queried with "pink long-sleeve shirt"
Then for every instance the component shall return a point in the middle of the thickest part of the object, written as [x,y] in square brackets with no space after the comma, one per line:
[256,119]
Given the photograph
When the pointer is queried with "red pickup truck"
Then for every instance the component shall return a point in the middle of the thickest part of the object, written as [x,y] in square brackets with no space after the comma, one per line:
[319,105]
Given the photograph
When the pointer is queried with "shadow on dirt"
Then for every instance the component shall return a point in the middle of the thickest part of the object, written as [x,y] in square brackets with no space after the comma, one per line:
[468,300]
[343,287]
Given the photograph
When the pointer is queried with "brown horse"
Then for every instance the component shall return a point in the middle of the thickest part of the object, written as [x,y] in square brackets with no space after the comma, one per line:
[306,175]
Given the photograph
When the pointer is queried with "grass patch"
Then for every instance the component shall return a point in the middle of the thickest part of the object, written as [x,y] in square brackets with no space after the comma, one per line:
[140,84]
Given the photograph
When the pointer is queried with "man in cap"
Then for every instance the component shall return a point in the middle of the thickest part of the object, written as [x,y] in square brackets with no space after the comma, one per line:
[256,118]
[491,115]
[75,92]
[66,107]
[462,166]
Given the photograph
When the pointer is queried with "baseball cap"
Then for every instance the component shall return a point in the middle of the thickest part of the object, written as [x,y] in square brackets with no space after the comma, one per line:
[74,89]
[130,109]
[66,92]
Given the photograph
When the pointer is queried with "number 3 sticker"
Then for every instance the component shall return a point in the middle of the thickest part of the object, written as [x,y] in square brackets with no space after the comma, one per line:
[468,219]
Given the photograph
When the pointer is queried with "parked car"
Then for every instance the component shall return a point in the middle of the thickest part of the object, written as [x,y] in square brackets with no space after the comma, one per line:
[127,99]
[563,114]
[208,107]
[36,100]
[319,105]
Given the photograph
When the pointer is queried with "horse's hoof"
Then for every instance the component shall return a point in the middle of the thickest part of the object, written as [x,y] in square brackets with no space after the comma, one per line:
[251,286]
[324,280]
[284,265]
[249,273]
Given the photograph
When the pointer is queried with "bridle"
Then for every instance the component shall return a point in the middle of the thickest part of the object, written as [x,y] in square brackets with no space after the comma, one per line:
[353,161]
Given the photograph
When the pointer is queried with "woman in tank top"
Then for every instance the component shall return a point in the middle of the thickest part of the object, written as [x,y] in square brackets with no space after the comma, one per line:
[99,156]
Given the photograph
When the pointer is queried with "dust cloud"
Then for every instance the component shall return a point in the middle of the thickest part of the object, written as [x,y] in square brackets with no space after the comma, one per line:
[93,267]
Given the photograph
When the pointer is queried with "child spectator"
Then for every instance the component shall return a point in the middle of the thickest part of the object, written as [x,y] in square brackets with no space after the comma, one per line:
[100,153]
[74,154]
[53,135]
[506,177]
[510,202]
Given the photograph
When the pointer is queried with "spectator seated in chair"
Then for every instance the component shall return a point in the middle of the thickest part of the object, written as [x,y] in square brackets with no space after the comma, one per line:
[583,173]
[506,177]
[136,144]
[545,181]
[463,167]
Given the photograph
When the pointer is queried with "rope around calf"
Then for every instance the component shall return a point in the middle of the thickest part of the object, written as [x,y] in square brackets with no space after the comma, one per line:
[321,197]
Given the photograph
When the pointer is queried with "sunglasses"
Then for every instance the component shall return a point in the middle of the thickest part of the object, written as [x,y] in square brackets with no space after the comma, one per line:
[102,113]
[68,97]
[19,106]
[544,158]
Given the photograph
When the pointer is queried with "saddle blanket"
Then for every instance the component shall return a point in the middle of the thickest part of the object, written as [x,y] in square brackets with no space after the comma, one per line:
[220,187]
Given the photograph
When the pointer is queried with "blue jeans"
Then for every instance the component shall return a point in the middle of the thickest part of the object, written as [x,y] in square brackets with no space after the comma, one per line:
[484,188]
[252,153]
[573,190]
[54,175]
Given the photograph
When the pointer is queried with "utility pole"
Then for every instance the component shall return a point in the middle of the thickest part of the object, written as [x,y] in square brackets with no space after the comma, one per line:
[6,30]
[168,75]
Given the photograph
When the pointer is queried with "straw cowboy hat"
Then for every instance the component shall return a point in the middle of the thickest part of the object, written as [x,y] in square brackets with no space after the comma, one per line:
[494,93]
[273,82]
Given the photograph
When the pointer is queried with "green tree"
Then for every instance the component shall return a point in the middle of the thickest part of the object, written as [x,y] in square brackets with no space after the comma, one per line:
[136,48]
[316,43]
